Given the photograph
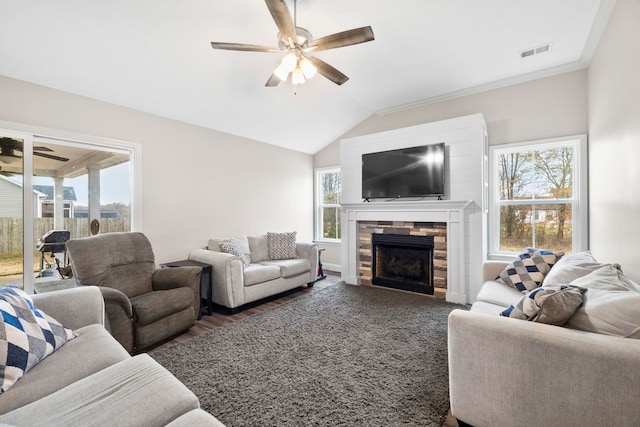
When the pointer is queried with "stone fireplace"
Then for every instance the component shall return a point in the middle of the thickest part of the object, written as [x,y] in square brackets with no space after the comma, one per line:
[410,256]
[443,221]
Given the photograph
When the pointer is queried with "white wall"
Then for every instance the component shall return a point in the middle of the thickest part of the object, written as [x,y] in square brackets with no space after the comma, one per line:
[196,183]
[614,141]
[545,108]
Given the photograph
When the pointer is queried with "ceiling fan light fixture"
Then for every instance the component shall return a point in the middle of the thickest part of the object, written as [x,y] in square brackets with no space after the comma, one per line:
[288,64]
[297,77]
[8,159]
[308,69]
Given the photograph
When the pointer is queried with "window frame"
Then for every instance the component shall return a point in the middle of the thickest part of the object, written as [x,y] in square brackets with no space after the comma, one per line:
[319,205]
[579,200]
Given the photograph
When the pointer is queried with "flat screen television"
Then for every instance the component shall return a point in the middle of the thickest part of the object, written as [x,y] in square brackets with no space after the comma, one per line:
[407,172]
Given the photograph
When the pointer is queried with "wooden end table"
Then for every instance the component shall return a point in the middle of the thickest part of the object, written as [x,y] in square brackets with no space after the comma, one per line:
[206,283]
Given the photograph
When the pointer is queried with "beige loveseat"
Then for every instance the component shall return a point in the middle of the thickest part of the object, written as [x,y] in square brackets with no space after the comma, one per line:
[93,381]
[511,372]
[237,282]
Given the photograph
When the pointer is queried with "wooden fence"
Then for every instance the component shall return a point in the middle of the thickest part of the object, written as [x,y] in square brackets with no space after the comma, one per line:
[11,235]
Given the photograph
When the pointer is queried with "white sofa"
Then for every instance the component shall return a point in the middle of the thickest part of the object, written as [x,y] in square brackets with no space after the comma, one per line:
[236,284]
[511,372]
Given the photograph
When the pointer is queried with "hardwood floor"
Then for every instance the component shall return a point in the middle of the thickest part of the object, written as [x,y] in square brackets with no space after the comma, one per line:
[220,318]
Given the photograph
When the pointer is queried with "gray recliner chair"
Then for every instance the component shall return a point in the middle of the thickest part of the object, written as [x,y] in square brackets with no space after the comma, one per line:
[144,305]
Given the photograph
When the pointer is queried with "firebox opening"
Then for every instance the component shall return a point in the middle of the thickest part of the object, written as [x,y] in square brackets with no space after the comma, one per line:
[403,262]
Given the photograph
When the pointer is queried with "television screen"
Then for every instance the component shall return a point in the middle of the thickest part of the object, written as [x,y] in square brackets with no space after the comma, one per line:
[407,172]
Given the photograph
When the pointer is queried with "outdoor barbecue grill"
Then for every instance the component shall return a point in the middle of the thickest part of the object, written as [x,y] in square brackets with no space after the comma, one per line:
[53,242]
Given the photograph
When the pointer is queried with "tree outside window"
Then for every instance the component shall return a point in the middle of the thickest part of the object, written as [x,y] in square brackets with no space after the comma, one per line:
[535,201]
[328,190]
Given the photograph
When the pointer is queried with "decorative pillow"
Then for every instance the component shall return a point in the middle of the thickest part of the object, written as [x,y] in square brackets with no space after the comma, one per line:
[229,246]
[27,335]
[611,305]
[242,243]
[571,267]
[527,271]
[554,304]
[282,245]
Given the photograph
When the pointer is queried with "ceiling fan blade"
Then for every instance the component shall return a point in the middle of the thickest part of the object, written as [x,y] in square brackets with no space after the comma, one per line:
[282,18]
[273,81]
[42,149]
[328,71]
[51,156]
[344,38]
[244,47]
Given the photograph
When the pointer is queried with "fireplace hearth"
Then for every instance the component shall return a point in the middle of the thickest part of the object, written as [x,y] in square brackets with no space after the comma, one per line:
[403,262]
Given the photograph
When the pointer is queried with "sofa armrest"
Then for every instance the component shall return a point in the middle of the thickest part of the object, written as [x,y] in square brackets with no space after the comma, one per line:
[492,269]
[177,277]
[227,276]
[75,307]
[506,371]
[309,250]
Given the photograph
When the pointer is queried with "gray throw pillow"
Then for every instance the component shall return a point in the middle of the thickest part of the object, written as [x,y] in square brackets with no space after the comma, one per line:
[554,304]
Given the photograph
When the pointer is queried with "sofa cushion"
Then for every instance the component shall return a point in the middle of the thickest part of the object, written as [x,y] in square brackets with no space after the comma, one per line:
[231,247]
[258,273]
[134,392]
[282,245]
[290,267]
[498,293]
[611,305]
[528,270]
[259,246]
[553,304]
[27,335]
[159,304]
[487,307]
[92,350]
[571,267]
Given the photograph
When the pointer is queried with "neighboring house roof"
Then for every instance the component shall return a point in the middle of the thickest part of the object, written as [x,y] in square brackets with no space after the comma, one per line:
[69,192]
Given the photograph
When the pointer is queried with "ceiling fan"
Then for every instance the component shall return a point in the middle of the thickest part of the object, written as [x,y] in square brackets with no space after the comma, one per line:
[298,44]
[9,146]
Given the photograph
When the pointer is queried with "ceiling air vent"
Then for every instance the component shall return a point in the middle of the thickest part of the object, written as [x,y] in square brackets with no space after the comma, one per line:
[535,50]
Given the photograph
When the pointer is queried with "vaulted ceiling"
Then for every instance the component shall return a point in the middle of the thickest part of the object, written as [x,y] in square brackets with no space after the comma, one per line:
[155,56]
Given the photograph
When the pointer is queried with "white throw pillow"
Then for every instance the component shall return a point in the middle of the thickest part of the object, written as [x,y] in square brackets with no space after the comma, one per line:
[611,304]
[571,267]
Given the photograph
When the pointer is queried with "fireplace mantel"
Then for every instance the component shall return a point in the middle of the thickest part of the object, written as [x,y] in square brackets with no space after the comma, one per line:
[451,212]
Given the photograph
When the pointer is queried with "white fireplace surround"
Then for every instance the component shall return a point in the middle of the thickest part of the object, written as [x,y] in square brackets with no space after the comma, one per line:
[453,213]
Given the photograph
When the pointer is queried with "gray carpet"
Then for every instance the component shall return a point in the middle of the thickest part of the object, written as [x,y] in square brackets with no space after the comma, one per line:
[343,356]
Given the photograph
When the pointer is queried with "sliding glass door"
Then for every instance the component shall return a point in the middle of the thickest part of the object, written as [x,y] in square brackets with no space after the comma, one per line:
[55,189]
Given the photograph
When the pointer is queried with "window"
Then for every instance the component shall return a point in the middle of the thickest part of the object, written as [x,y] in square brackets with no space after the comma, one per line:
[328,189]
[539,196]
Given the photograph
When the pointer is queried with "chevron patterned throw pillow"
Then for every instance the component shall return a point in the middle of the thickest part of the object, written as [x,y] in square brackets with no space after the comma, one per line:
[27,335]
